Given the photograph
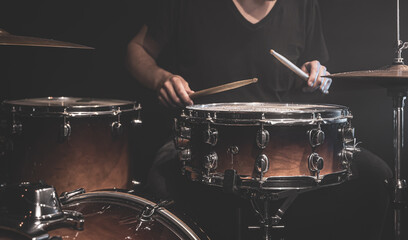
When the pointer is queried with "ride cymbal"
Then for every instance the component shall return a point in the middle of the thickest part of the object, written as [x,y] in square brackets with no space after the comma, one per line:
[14,40]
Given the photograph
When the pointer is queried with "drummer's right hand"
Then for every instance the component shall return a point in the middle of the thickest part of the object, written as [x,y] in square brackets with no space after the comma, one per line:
[174,92]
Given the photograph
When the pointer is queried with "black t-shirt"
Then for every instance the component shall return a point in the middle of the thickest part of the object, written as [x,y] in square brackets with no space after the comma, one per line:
[210,43]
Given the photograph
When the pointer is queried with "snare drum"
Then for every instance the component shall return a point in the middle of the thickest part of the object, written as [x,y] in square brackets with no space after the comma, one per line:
[72,142]
[269,145]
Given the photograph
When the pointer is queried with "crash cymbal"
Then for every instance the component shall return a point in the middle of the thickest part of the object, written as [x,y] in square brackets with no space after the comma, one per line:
[387,76]
[14,40]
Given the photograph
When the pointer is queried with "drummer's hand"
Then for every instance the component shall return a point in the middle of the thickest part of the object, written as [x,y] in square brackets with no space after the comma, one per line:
[174,92]
[315,81]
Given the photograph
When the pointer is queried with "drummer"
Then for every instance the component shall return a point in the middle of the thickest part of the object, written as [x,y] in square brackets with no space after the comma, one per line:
[192,45]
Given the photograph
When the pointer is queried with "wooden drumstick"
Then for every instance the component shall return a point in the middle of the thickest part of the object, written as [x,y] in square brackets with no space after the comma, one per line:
[223,88]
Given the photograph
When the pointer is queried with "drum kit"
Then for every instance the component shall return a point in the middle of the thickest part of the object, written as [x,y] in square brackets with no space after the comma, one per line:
[262,152]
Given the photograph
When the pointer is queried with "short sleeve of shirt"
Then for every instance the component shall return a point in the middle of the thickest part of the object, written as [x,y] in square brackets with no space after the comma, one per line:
[315,45]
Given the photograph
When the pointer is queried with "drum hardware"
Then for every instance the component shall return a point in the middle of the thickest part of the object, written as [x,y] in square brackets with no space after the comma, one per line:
[65,196]
[210,136]
[65,130]
[262,138]
[261,166]
[316,164]
[117,128]
[347,133]
[316,136]
[32,209]
[210,162]
[16,127]
[108,215]
[148,211]
[232,150]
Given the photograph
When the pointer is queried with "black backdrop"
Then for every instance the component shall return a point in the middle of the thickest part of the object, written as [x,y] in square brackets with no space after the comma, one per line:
[361,35]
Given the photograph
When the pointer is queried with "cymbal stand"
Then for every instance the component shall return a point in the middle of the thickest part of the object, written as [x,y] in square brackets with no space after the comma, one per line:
[398,95]
[400,185]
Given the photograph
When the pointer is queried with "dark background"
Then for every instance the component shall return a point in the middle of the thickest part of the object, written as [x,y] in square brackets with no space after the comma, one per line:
[361,35]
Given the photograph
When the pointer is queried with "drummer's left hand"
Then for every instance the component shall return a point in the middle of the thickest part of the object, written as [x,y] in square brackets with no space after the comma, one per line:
[315,81]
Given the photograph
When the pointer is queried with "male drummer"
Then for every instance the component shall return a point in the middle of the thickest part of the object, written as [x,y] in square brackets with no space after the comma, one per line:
[193,45]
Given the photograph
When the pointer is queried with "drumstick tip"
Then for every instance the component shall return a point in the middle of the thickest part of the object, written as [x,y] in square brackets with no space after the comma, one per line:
[271,51]
[254,80]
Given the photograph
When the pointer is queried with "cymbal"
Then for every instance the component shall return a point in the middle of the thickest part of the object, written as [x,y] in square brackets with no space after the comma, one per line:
[386,76]
[14,40]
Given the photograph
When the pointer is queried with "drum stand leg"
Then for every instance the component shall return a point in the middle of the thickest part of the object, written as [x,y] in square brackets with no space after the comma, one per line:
[400,185]
[270,225]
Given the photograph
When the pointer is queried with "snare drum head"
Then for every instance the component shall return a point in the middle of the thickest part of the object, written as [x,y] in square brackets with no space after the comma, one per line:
[246,113]
[70,106]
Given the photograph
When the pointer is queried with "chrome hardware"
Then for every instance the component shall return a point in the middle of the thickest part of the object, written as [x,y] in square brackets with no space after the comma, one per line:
[262,165]
[136,122]
[262,138]
[65,130]
[16,128]
[185,132]
[65,196]
[185,155]
[316,137]
[116,128]
[233,150]
[211,136]
[347,133]
[316,163]
[211,161]
[147,213]
[32,209]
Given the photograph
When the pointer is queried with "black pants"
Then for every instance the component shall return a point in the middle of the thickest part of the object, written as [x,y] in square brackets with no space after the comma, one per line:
[355,209]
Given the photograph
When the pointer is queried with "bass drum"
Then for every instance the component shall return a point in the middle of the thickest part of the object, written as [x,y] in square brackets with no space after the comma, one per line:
[123,216]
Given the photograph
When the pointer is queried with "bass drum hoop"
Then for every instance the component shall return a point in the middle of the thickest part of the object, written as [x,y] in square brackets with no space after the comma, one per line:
[127,199]
[69,107]
[259,113]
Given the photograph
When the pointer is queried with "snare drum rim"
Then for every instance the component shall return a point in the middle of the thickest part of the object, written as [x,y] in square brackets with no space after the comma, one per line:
[202,113]
[26,107]
[135,199]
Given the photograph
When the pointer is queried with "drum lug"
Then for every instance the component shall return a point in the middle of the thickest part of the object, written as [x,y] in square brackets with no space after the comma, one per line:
[211,161]
[211,136]
[262,138]
[316,137]
[185,132]
[65,131]
[136,122]
[262,165]
[116,128]
[16,128]
[316,164]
